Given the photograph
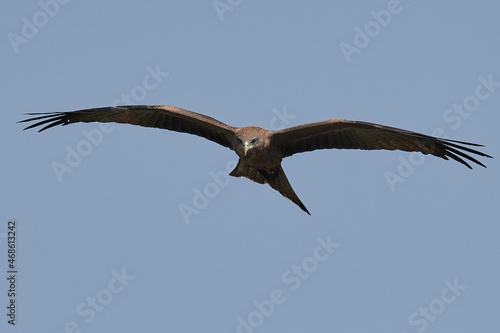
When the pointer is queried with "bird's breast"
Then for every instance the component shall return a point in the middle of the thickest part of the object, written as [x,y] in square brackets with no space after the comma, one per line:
[268,159]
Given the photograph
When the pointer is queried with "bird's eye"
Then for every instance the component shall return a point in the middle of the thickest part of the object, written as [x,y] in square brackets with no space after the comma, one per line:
[254,141]
[239,141]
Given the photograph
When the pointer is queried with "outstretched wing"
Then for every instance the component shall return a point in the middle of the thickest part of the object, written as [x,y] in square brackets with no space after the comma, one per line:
[159,116]
[346,134]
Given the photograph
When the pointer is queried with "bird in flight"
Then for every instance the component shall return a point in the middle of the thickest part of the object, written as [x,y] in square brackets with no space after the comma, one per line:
[261,151]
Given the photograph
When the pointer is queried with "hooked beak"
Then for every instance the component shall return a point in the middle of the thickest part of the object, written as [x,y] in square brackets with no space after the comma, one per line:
[246,147]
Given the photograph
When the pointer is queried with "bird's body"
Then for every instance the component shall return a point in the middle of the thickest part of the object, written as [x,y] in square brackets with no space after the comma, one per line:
[261,151]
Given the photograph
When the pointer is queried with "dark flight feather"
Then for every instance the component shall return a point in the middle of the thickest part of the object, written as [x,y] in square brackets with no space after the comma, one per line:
[346,134]
[160,116]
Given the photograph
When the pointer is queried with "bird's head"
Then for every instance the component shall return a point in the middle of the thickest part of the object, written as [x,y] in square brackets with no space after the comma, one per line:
[247,145]
[250,139]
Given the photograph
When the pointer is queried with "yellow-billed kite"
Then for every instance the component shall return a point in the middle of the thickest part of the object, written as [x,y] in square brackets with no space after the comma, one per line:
[260,150]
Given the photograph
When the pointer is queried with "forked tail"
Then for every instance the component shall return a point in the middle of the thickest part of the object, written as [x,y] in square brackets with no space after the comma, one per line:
[276,180]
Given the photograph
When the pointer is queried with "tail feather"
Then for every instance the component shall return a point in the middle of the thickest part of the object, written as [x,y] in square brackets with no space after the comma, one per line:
[277,180]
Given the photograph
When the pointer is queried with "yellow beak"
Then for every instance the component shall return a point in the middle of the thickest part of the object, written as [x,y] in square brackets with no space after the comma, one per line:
[246,148]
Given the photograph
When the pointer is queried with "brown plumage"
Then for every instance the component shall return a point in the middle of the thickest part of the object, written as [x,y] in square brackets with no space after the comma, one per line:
[260,150]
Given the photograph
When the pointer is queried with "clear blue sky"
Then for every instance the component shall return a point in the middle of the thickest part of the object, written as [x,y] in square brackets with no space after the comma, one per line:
[102,244]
